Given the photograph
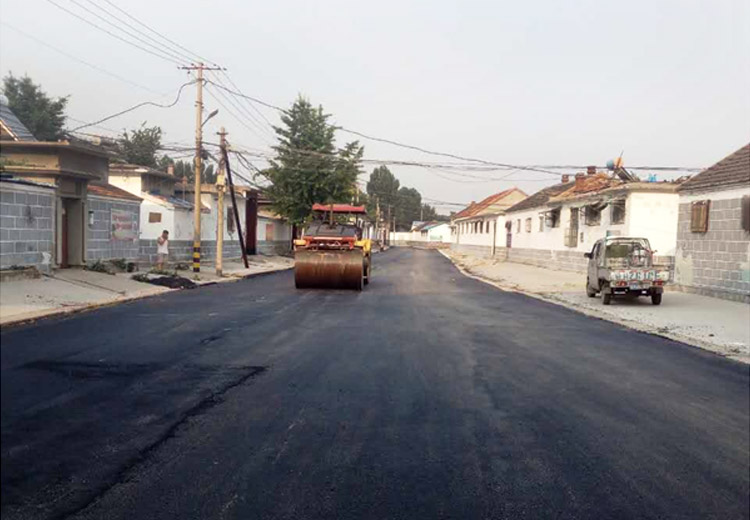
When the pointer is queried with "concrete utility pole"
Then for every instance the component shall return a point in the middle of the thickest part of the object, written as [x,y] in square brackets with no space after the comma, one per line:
[200,67]
[220,191]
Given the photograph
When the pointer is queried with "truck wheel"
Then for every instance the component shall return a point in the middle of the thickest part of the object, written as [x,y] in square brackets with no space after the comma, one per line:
[656,299]
[606,295]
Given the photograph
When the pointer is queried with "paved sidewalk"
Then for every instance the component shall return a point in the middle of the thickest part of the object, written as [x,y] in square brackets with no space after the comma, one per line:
[718,325]
[73,290]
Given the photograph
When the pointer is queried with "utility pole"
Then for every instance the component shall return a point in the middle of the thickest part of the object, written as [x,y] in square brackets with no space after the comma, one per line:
[220,191]
[200,67]
[377,222]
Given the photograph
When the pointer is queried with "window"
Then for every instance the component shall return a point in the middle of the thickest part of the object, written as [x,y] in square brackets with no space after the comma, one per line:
[746,213]
[541,223]
[154,217]
[553,218]
[528,225]
[617,213]
[699,216]
[593,215]
[488,227]
[518,225]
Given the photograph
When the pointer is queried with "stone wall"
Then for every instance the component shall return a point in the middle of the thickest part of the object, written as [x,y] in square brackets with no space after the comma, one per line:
[182,251]
[275,247]
[100,244]
[26,225]
[715,263]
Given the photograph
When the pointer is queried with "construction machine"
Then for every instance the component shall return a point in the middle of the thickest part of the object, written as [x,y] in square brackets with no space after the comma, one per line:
[333,254]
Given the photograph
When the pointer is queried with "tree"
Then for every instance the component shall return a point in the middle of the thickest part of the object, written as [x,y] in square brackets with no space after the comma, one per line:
[140,146]
[382,188]
[42,115]
[307,168]
[187,169]
[408,206]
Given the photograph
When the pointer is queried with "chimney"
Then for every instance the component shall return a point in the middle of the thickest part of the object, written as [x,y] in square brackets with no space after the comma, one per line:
[170,168]
[565,178]
[591,170]
[580,181]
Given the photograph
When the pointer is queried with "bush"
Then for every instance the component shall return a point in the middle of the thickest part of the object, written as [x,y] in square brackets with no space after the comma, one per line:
[99,267]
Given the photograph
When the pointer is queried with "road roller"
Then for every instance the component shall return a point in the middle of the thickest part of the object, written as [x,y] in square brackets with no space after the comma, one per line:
[332,256]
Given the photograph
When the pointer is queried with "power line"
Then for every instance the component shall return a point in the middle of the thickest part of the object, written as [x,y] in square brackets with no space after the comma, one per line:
[139,105]
[128,42]
[83,62]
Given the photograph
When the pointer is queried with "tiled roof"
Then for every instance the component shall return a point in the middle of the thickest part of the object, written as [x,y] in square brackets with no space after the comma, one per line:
[733,170]
[111,191]
[17,129]
[540,198]
[589,184]
[491,204]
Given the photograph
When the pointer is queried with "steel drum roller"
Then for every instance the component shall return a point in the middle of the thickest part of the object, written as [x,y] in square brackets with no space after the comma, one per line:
[335,269]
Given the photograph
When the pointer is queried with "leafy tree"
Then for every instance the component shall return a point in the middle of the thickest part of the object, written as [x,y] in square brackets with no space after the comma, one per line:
[408,208]
[382,188]
[42,115]
[308,169]
[187,169]
[141,146]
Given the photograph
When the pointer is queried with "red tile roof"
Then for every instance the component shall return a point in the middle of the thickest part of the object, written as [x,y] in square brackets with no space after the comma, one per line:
[589,184]
[475,208]
[733,170]
[111,192]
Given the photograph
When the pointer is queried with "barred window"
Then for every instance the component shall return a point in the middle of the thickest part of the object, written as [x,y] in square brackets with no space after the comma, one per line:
[699,216]
[618,212]
[528,225]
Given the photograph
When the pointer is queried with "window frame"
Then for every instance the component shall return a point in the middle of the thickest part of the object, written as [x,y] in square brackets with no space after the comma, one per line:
[699,216]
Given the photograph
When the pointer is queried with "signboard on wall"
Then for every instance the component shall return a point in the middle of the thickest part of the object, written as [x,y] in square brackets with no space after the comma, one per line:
[123,225]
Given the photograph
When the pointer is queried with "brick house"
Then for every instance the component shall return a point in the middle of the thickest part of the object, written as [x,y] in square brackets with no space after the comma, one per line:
[713,238]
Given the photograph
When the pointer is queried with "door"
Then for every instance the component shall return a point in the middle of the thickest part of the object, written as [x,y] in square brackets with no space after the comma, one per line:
[64,237]
[508,233]
[593,267]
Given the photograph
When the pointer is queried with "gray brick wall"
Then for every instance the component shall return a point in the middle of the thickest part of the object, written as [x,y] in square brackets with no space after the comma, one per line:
[483,251]
[274,247]
[715,263]
[182,251]
[26,225]
[100,245]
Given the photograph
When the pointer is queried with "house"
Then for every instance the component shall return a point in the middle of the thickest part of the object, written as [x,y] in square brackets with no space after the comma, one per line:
[554,227]
[713,237]
[113,224]
[46,215]
[476,227]
[166,205]
[433,232]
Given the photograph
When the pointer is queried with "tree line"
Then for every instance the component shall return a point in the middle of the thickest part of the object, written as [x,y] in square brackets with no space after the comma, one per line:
[308,167]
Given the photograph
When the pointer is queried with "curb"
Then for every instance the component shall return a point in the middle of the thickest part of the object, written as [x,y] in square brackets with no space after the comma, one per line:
[605,317]
[23,320]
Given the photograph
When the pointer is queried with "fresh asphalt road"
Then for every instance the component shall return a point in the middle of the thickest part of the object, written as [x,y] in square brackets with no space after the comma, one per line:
[428,395]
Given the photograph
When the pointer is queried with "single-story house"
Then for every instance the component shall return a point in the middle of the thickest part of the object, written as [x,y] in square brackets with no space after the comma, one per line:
[476,228]
[713,237]
[554,227]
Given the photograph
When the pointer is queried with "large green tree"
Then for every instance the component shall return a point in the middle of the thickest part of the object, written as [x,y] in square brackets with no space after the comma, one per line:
[141,146]
[187,169]
[382,189]
[308,168]
[42,115]
[408,208]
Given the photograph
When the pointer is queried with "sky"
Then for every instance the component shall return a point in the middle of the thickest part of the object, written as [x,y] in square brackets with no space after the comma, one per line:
[665,83]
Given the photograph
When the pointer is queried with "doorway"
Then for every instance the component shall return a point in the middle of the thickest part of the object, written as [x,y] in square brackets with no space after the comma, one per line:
[72,232]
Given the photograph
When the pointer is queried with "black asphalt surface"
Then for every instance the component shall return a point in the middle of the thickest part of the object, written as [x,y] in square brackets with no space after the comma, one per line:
[429,395]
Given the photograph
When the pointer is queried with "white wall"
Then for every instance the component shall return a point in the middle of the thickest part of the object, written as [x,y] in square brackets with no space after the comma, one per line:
[466,235]
[650,215]
[209,220]
[654,216]
[152,230]
[441,233]
[130,183]
[281,230]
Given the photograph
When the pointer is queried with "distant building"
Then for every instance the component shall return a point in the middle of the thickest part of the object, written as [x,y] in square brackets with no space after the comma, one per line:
[476,228]
[554,227]
[713,239]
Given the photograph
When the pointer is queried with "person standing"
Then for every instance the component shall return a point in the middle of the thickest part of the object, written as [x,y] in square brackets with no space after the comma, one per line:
[162,249]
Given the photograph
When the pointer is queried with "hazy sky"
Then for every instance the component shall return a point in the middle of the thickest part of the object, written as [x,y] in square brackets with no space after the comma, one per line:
[537,82]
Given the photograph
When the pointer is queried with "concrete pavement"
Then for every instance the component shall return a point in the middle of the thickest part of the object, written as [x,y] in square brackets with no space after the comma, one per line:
[429,395]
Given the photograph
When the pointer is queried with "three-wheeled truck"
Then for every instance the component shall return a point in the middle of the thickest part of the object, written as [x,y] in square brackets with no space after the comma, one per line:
[624,266]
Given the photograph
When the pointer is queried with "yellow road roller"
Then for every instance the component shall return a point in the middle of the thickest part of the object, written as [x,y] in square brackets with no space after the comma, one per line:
[332,255]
